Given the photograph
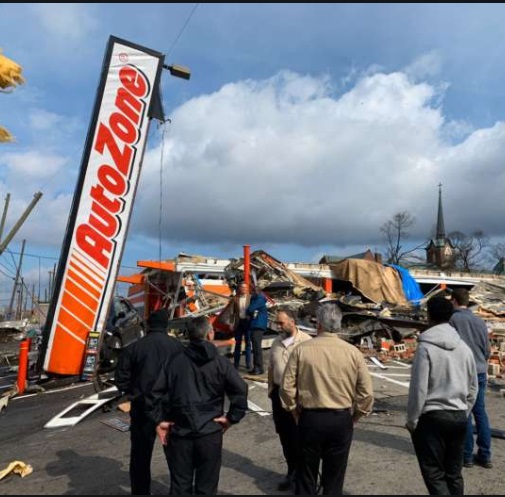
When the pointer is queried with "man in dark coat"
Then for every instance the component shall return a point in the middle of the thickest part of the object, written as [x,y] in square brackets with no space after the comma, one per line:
[138,367]
[187,405]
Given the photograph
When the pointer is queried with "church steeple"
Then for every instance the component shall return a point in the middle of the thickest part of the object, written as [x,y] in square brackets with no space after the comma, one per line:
[440,236]
[440,250]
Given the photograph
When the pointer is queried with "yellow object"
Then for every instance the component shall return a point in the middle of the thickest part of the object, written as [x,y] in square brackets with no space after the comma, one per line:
[5,136]
[10,76]
[17,467]
[10,73]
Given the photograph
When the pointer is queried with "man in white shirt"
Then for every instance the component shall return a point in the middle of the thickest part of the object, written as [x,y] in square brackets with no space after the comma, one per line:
[290,336]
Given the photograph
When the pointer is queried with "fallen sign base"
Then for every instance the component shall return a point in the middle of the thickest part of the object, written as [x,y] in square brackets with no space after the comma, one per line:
[82,408]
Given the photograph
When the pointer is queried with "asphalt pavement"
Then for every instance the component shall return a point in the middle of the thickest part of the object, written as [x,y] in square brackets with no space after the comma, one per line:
[92,457]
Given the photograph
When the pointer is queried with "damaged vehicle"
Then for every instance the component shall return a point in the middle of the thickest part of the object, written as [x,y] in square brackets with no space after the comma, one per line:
[124,326]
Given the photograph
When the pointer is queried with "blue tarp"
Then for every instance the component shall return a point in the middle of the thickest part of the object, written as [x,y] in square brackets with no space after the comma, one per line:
[411,287]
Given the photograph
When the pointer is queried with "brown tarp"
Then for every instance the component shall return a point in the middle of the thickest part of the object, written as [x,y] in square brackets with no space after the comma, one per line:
[374,281]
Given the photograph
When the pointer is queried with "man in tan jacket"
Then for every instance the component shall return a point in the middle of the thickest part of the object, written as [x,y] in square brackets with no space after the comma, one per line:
[327,386]
[290,336]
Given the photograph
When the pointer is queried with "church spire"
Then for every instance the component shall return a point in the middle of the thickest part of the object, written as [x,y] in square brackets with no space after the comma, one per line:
[440,218]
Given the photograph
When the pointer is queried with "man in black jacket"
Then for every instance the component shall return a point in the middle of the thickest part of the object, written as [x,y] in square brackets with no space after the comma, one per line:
[187,406]
[138,367]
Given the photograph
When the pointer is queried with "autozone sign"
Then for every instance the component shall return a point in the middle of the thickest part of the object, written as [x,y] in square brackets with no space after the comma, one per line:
[102,203]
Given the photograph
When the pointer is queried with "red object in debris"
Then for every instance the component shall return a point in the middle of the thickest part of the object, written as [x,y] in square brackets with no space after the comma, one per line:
[24,347]
[247,266]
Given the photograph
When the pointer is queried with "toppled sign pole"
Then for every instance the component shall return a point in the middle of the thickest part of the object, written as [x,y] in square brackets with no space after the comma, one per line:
[128,97]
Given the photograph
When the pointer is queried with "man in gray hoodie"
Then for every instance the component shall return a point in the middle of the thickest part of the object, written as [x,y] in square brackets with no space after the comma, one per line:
[443,389]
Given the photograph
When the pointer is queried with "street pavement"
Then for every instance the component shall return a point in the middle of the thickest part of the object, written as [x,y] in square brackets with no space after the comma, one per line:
[91,458]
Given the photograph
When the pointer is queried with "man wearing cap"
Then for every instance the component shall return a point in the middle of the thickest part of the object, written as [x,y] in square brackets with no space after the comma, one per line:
[138,368]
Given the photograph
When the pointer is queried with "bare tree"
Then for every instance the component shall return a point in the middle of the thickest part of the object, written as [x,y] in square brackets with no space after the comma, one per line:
[468,249]
[496,257]
[396,231]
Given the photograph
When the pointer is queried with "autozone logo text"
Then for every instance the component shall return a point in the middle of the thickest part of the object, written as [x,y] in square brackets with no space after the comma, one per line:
[116,141]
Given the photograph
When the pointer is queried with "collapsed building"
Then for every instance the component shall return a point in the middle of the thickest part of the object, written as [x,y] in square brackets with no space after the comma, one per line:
[382,305]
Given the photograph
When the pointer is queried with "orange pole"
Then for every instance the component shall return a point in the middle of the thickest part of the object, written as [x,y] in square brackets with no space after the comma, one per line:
[328,285]
[247,266]
[23,366]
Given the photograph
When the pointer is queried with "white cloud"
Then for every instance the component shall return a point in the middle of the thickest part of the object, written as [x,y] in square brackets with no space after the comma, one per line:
[50,129]
[69,20]
[42,120]
[427,65]
[285,161]
[282,160]
[32,166]
[24,174]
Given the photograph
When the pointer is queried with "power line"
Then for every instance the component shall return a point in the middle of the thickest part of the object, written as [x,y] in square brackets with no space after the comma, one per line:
[6,274]
[35,255]
[183,28]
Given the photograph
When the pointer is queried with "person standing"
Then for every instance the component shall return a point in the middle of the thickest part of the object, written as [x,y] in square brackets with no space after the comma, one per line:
[442,391]
[327,387]
[137,370]
[187,403]
[473,331]
[258,315]
[285,426]
[241,326]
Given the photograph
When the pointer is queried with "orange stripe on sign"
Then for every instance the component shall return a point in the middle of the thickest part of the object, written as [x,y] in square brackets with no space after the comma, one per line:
[77,267]
[73,324]
[84,297]
[89,267]
[82,282]
[71,304]
[67,353]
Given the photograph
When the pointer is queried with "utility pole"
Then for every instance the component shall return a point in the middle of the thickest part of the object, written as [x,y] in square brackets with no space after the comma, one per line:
[19,223]
[19,312]
[27,294]
[54,279]
[18,271]
[4,214]
[50,291]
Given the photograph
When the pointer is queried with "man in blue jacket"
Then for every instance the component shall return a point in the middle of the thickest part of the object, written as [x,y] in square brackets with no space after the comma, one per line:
[258,315]
[473,331]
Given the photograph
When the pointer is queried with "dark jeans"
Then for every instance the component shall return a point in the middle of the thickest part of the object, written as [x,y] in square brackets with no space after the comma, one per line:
[438,441]
[142,437]
[325,434]
[194,464]
[481,424]
[287,430]
[256,338]
[242,332]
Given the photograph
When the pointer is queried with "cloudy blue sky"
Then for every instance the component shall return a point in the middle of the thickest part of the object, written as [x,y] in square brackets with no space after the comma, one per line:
[302,130]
